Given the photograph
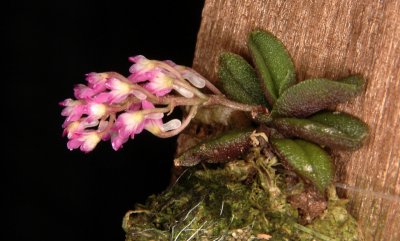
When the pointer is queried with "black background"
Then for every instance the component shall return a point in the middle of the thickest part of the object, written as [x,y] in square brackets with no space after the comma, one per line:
[52,193]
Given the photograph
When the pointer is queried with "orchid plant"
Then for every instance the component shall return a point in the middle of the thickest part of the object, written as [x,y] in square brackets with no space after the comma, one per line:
[292,115]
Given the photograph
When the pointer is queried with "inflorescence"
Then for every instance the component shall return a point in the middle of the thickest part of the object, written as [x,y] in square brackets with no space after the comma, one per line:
[112,106]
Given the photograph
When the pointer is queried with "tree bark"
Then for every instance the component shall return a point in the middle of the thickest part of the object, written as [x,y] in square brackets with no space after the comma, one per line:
[332,39]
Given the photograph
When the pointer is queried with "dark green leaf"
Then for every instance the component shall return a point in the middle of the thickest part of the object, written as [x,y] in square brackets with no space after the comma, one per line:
[333,129]
[273,63]
[310,96]
[239,80]
[348,124]
[219,149]
[307,159]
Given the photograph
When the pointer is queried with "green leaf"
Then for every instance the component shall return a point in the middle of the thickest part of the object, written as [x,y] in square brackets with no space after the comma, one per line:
[332,129]
[307,159]
[310,96]
[222,148]
[239,80]
[348,124]
[356,80]
[273,63]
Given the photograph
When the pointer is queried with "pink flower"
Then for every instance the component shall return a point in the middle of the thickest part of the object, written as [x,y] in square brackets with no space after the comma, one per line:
[83,92]
[77,127]
[127,125]
[154,126]
[96,85]
[131,123]
[73,128]
[85,141]
[142,69]
[118,140]
[160,85]
[120,90]
[95,111]
[74,109]
[96,80]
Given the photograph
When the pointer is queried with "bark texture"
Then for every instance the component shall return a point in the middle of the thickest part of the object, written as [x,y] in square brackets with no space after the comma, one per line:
[332,39]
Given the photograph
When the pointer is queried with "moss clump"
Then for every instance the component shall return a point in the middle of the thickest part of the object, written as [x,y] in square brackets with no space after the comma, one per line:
[241,200]
[334,222]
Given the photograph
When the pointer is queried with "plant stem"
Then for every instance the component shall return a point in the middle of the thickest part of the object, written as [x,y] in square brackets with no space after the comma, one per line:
[185,123]
[212,87]
[222,100]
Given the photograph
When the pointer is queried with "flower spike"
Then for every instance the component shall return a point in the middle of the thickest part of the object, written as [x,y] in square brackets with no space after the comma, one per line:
[112,106]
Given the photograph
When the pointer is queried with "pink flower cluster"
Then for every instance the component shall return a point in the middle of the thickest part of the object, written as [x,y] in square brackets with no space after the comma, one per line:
[114,107]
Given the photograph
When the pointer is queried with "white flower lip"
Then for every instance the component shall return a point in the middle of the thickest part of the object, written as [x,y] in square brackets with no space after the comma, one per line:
[183,91]
[195,79]
[171,125]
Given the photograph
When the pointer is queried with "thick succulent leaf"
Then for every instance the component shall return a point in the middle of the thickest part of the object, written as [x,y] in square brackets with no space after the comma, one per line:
[307,159]
[273,63]
[310,96]
[239,80]
[222,148]
[333,129]
[352,126]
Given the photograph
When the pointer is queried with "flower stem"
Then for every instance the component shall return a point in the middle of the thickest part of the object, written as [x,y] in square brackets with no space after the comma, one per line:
[212,87]
[222,100]
[185,123]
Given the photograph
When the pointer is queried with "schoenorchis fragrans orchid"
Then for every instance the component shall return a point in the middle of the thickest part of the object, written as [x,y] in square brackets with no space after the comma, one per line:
[296,116]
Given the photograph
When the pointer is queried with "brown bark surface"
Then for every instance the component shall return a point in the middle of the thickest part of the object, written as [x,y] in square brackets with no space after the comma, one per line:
[332,39]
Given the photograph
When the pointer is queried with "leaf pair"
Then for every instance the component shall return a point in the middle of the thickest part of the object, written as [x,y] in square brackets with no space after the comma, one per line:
[274,67]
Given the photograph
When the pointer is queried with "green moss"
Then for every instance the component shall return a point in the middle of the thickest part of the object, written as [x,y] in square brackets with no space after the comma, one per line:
[334,224]
[240,200]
